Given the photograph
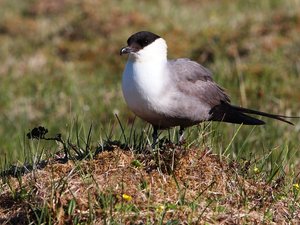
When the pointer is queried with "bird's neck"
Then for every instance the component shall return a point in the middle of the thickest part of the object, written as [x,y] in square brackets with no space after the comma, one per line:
[155,53]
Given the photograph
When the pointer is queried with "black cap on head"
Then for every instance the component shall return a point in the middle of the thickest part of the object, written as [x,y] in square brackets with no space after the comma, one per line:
[138,41]
[142,39]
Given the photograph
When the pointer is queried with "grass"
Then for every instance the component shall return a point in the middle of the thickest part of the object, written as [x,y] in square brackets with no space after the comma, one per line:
[62,63]
[60,68]
[116,183]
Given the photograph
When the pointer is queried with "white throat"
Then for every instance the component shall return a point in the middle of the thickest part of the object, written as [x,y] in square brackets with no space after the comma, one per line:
[156,51]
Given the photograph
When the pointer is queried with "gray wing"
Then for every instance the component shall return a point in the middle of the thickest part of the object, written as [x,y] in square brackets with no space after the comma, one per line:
[195,80]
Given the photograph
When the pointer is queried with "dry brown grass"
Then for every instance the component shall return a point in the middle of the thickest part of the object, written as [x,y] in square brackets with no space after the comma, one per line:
[201,188]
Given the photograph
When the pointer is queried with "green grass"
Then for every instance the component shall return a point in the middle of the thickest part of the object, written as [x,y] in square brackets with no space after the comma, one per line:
[61,62]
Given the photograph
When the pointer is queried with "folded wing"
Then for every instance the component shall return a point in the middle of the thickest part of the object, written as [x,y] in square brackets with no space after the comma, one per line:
[195,80]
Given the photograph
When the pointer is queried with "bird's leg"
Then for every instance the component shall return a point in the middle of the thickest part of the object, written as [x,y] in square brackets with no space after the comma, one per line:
[181,135]
[154,136]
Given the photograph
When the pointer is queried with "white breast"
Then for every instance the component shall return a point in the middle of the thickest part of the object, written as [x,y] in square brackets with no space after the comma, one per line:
[144,88]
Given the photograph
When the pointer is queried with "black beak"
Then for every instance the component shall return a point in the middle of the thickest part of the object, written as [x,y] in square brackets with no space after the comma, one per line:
[126,50]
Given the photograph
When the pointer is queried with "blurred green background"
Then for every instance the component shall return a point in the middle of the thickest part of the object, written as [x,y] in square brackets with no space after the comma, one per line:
[60,62]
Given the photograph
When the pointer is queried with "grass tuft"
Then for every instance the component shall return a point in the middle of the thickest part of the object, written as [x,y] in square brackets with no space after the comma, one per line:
[168,184]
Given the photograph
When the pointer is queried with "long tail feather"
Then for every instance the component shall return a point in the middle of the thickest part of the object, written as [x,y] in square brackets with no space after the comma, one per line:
[273,116]
[235,114]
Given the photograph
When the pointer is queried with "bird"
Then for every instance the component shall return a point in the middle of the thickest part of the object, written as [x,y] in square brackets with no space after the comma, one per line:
[178,92]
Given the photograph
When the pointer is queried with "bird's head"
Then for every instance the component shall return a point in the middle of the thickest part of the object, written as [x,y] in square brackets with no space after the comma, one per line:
[144,46]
